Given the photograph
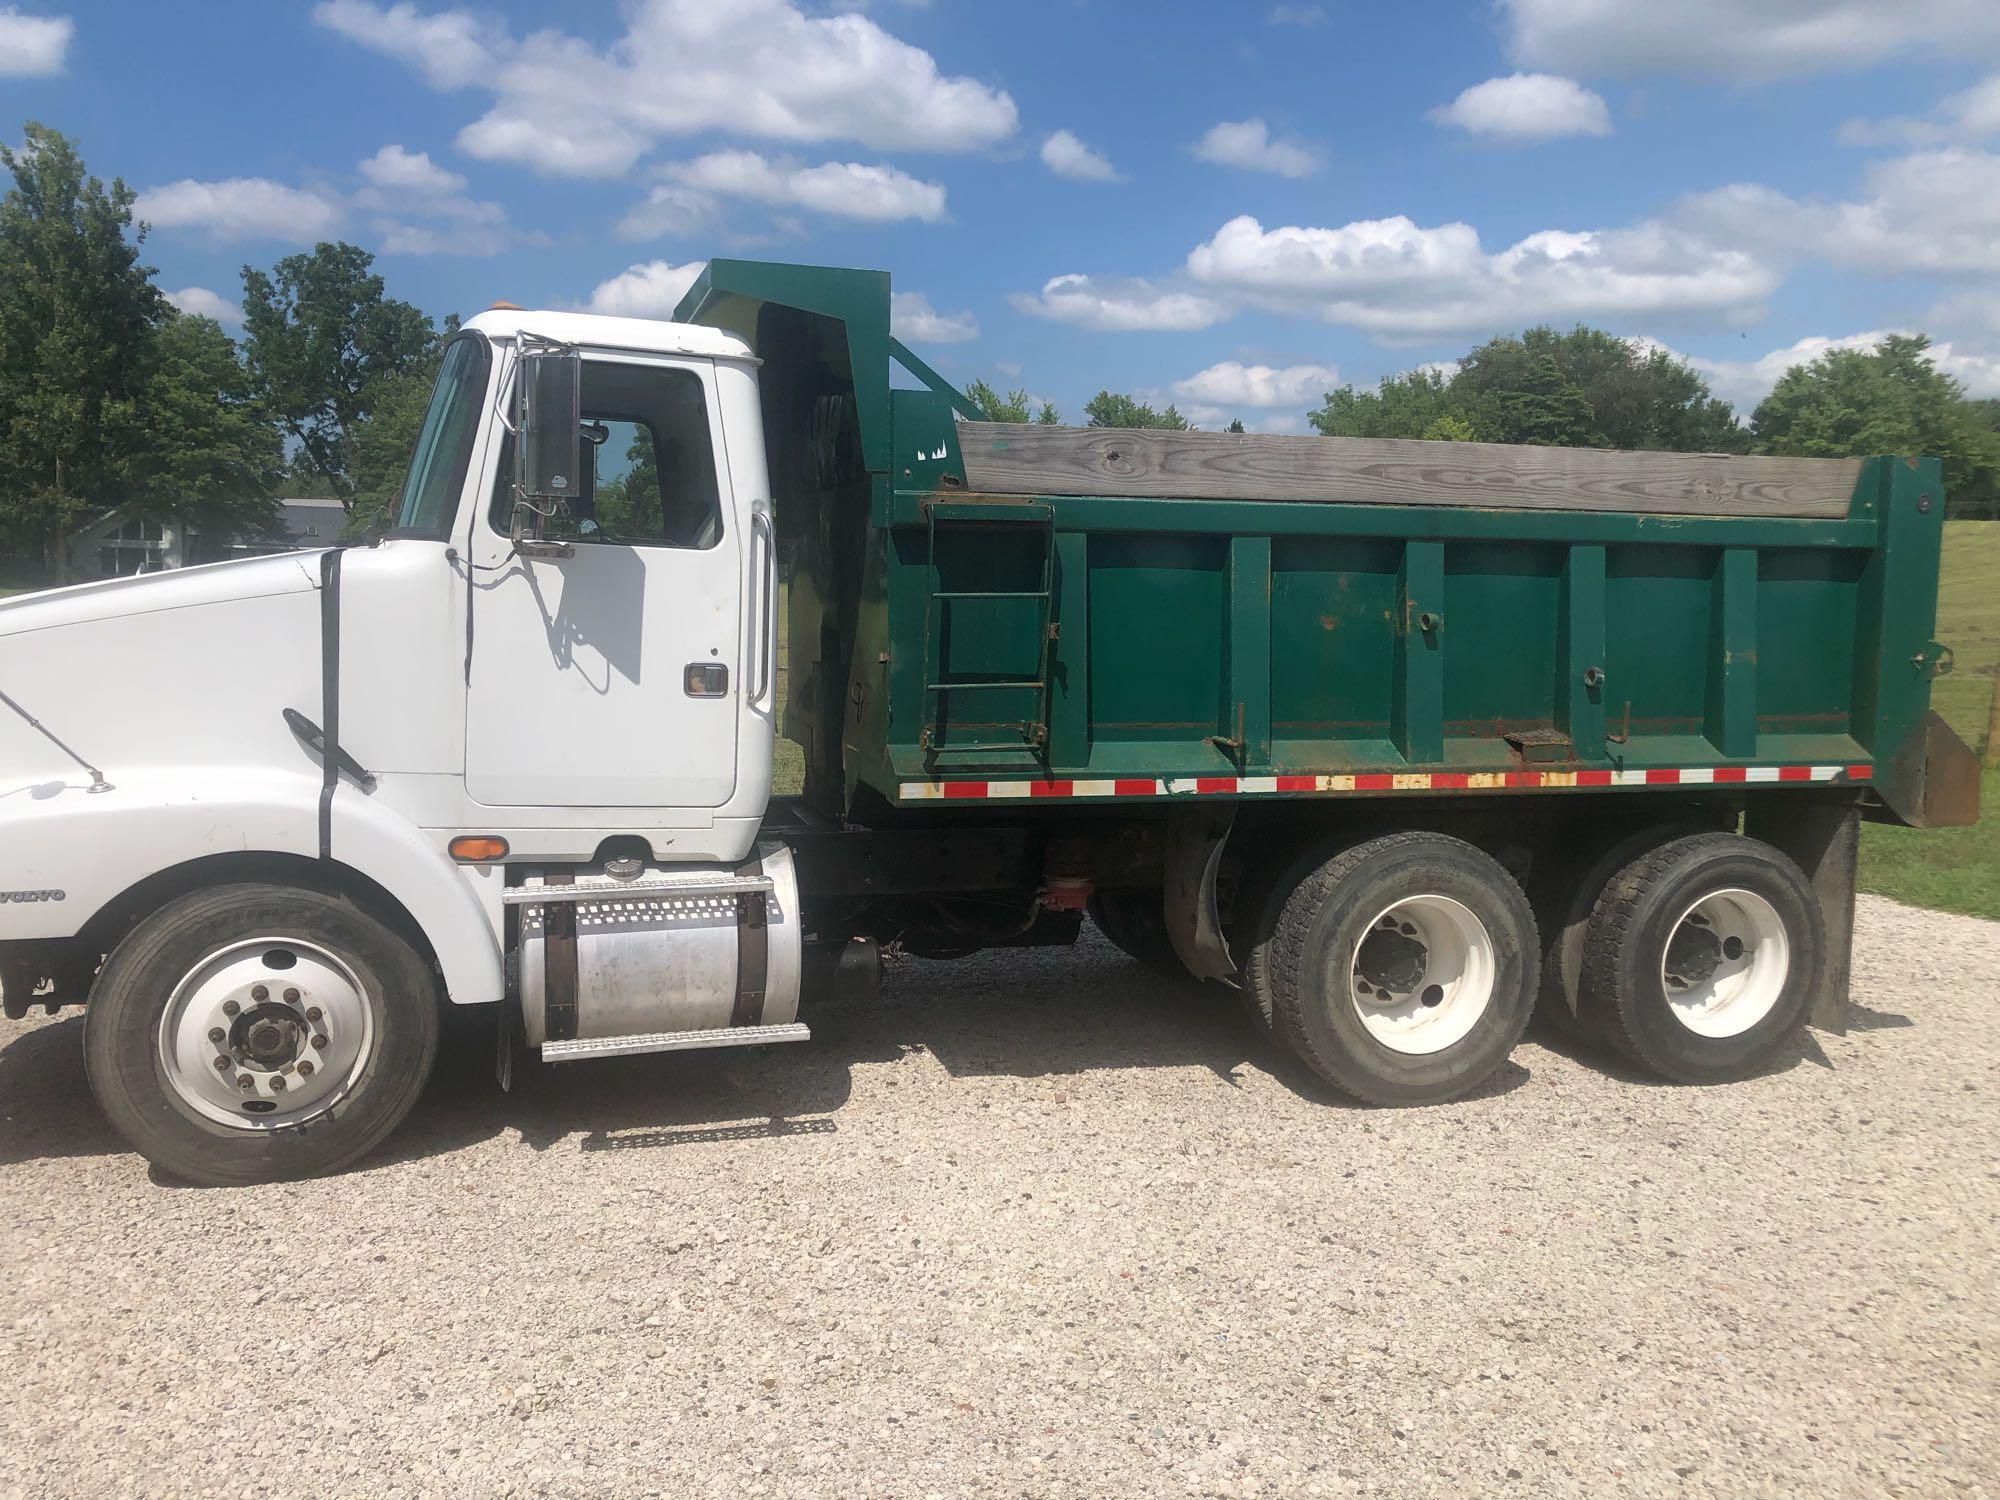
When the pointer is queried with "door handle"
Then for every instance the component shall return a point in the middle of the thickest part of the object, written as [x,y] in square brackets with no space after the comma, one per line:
[764,580]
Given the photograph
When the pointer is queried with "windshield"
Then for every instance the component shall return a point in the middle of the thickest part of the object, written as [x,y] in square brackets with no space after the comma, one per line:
[437,469]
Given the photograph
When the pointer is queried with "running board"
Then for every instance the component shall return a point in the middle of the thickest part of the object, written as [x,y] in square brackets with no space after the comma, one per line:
[672,1041]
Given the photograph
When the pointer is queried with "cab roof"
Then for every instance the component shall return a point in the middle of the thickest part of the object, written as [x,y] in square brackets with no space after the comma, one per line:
[594,331]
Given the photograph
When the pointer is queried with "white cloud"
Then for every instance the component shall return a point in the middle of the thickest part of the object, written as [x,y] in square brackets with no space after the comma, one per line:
[1742,38]
[1119,306]
[200,302]
[33,46]
[849,190]
[667,209]
[410,205]
[238,208]
[451,49]
[1248,144]
[1401,280]
[913,320]
[409,171]
[1526,107]
[1929,211]
[1972,114]
[650,290]
[1746,382]
[402,186]
[1297,15]
[762,68]
[1066,156]
[1231,385]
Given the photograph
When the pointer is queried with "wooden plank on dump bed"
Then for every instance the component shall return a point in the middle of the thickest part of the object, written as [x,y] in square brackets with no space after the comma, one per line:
[1006,458]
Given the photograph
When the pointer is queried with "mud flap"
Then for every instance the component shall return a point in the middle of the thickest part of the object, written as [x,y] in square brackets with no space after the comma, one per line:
[1823,839]
[1194,925]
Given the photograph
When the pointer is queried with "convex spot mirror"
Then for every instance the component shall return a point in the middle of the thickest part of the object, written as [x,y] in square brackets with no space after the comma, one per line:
[548,458]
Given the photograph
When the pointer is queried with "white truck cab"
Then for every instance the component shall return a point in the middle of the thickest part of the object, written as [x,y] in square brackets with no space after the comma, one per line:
[353,741]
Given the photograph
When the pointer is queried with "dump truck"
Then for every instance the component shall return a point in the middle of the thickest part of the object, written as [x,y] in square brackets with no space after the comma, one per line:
[1395,742]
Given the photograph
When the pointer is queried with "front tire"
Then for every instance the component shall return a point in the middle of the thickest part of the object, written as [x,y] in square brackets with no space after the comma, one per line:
[1703,955]
[1403,969]
[255,1032]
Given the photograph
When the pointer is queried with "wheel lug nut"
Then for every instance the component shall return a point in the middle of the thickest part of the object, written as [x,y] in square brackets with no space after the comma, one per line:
[278,1084]
[305,1068]
[319,1044]
[222,1064]
[259,992]
[245,1082]
[216,1033]
[231,1008]
[312,1013]
[291,997]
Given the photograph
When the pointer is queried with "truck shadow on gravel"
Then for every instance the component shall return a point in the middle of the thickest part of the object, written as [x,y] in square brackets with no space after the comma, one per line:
[1026,1014]
[1003,1014]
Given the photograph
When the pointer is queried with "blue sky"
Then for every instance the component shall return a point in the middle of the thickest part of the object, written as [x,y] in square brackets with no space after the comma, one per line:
[1228,206]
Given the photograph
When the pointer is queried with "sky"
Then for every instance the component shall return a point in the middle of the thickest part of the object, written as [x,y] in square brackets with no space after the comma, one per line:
[1232,207]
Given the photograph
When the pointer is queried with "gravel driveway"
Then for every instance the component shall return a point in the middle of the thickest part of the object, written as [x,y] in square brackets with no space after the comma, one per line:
[1043,1224]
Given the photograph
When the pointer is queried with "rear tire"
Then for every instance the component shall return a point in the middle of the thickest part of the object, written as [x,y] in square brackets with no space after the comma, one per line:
[328,1023]
[1402,970]
[1703,955]
[1564,897]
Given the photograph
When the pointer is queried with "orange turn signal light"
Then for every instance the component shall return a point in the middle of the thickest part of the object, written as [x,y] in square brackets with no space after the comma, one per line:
[478,848]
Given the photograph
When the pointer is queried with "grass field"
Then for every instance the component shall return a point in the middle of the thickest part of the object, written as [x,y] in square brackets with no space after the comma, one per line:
[1954,869]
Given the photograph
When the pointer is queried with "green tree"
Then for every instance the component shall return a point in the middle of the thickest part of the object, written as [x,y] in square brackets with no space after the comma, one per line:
[1853,403]
[323,343]
[212,457]
[1235,425]
[1109,409]
[1584,389]
[77,316]
[1402,406]
[1012,407]
[381,443]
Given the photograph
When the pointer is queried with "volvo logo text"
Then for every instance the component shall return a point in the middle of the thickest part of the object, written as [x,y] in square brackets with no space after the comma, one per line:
[24,896]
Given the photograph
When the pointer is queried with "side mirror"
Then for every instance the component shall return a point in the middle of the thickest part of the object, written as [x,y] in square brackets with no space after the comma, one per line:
[548,476]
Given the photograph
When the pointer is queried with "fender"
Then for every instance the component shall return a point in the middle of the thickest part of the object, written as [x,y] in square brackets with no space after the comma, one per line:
[95,847]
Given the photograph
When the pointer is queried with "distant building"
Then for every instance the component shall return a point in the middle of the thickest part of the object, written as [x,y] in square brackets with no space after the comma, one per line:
[120,544]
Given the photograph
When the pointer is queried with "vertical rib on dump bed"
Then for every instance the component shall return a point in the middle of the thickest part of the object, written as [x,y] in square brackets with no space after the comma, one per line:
[991,612]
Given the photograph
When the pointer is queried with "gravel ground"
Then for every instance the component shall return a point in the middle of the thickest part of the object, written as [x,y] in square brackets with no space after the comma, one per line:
[1042,1224]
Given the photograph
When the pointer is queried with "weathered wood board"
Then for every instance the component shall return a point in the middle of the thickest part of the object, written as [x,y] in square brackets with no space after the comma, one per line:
[1006,458]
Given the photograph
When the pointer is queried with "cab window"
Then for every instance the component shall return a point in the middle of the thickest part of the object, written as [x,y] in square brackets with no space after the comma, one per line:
[649,477]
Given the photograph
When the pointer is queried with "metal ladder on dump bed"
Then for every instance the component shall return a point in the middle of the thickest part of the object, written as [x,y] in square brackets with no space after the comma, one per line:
[970,517]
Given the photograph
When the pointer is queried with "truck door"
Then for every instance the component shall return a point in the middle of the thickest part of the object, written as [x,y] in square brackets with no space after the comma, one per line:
[610,677]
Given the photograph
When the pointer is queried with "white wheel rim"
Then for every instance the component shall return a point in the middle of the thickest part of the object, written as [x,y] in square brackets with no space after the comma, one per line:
[266,1033]
[1423,974]
[1725,963]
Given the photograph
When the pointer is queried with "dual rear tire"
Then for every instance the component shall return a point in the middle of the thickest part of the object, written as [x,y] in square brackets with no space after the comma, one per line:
[1403,969]
[1701,957]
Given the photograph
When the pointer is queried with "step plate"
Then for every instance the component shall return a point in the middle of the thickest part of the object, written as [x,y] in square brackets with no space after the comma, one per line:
[672,1041]
[599,889]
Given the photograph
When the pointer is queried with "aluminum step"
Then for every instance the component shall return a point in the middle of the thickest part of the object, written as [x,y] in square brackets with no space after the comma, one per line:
[672,1041]
[611,890]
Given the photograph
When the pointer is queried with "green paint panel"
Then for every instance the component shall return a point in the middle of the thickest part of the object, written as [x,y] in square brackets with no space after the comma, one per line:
[1157,632]
[1658,601]
[1333,610]
[1503,673]
[1806,602]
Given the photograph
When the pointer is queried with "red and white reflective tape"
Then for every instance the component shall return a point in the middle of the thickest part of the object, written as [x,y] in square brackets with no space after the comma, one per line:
[1371,781]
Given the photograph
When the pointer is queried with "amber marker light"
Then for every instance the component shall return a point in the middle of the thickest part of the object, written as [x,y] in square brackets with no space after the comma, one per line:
[478,848]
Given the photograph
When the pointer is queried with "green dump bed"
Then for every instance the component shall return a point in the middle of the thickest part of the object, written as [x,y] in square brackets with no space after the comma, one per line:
[1047,615]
